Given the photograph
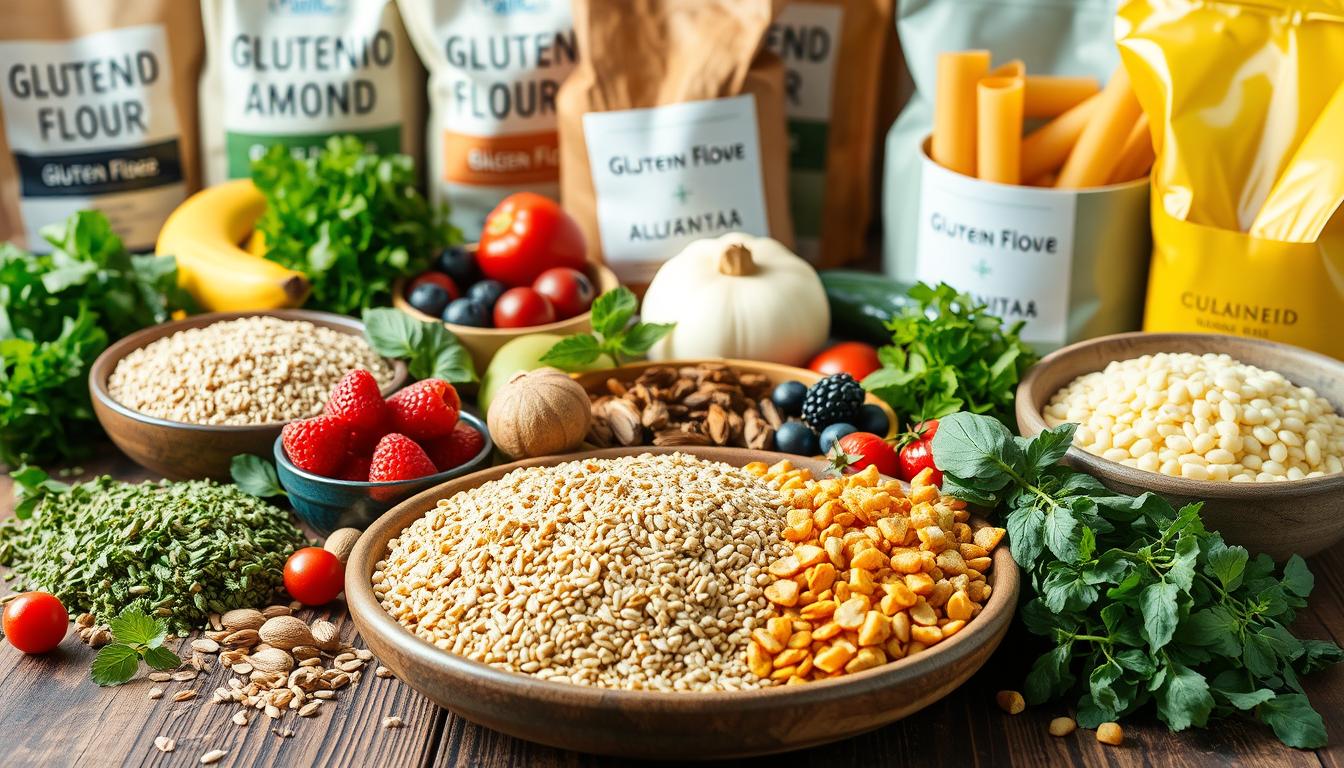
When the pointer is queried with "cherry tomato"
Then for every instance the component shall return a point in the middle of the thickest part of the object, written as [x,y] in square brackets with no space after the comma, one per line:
[916,452]
[522,308]
[314,576]
[569,290]
[438,278]
[526,235]
[35,622]
[859,450]
[852,357]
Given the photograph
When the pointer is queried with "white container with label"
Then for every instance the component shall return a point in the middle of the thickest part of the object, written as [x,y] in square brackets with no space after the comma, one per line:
[1070,263]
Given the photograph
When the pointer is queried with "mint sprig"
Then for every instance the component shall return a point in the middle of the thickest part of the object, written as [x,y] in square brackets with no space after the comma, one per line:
[135,636]
[255,476]
[430,350]
[613,334]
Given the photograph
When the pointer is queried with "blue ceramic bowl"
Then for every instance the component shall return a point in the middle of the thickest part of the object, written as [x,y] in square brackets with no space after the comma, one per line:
[327,504]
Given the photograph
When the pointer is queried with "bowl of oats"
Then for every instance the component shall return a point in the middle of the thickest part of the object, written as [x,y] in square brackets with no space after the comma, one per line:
[183,398]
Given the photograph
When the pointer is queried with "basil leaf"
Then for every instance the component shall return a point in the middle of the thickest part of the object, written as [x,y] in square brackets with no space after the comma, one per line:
[1246,701]
[431,350]
[967,446]
[1294,721]
[134,627]
[641,337]
[255,476]
[391,332]
[1025,534]
[573,352]
[114,664]
[1158,606]
[1184,699]
[612,311]
[1049,447]
[1062,534]
[162,658]
[1227,564]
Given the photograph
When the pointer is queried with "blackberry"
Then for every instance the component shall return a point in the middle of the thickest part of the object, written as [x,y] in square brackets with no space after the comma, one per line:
[834,399]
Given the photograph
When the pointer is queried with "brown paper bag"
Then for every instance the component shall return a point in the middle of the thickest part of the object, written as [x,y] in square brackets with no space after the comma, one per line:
[672,128]
[98,105]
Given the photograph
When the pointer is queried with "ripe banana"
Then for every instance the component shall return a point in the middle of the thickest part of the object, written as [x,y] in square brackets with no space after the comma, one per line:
[207,233]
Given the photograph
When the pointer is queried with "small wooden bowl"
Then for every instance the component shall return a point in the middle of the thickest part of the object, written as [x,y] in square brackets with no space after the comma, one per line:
[1278,518]
[595,381]
[667,726]
[181,451]
[483,343]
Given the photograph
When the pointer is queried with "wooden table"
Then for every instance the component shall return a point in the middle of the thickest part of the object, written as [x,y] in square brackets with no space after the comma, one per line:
[51,714]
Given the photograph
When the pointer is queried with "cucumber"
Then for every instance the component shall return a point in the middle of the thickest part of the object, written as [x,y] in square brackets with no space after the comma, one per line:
[862,303]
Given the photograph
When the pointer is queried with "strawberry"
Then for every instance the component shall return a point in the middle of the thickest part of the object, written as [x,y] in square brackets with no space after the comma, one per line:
[398,457]
[425,410]
[356,468]
[317,445]
[358,402]
[456,448]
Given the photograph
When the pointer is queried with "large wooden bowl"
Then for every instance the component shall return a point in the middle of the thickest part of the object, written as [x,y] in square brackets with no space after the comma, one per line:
[1278,518]
[483,343]
[595,381]
[668,726]
[181,451]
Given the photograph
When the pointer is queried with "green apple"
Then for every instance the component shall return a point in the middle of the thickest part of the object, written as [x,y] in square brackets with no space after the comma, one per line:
[522,354]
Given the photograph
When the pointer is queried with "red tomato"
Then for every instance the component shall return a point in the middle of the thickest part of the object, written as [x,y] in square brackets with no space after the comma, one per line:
[526,235]
[438,278]
[852,357]
[314,576]
[35,622]
[569,290]
[858,450]
[916,452]
[523,308]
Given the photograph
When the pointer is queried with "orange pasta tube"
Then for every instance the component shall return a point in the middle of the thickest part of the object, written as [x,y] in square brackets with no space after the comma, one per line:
[1098,149]
[1045,149]
[1052,95]
[954,121]
[1014,68]
[998,153]
[1136,154]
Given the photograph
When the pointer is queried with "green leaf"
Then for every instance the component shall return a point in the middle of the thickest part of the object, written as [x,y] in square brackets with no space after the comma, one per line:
[1025,533]
[640,338]
[1297,578]
[1136,661]
[1182,570]
[1100,688]
[162,659]
[1184,699]
[114,664]
[431,350]
[134,627]
[1215,628]
[1258,656]
[1294,721]
[391,332]
[1226,564]
[1049,675]
[1064,590]
[612,311]
[450,360]
[573,352]
[1063,534]
[1049,447]
[1246,701]
[968,445]
[1160,613]
[1319,654]
[255,476]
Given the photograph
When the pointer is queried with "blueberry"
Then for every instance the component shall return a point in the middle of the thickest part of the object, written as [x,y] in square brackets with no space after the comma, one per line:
[788,397]
[429,298]
[466,311]
[831,434]
[871,418]
[486,293]
[460,264]
[796,437]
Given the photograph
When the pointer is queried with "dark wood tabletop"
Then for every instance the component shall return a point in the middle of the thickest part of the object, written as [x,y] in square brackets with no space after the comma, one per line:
[52,714]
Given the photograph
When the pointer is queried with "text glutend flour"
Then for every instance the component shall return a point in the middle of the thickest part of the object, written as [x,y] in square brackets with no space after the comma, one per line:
[495,69]
[98,106]
[294,72]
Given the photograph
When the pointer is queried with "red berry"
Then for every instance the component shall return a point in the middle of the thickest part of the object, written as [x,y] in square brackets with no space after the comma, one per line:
[317,445]
[356,468]
[398,457]
[357,401]
[438,278]
[457,448]
[425,410]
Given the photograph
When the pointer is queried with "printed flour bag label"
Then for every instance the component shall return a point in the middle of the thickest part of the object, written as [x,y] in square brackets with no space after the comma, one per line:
[666,176]
[93,118]
[294,72]
[495,68]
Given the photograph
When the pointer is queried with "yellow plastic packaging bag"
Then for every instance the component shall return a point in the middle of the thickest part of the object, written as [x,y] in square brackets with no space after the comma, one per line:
[1246,100]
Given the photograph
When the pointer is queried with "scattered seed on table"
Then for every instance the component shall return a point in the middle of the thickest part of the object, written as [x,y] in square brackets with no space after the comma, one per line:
[185,675]
[1010,702]
[392,722]
[240,717]
[1062,726]
[310,709]
[205,644]
[184,695]
[165,744]
[213,756]
[1110,733]
[383,672]
[156,693]
[160,677]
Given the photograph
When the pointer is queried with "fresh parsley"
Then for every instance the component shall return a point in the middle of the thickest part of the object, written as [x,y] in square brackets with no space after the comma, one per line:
[255,476]
[1144,605]
[949,354]
[135,637]
[613,334]
[352,221]
[431,350]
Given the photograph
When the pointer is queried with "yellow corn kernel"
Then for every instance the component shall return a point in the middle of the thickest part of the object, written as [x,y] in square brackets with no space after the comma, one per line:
[876,628]
[970,551]
[825,632]
[988,538]
[792,483]
[1062,726]
[843,519]
[959,607]
[780,629]
[842,591]
[962,532]
[809,555]
[756,468]
[758,661]
[818,610]
[923,493]
[785,567]
[861,581]
[835,550]
[898,597]
[905,561]
[783,593]
[805,666]
[799,531]
[900,626]
[913,648]
[951,561]
[1110,733]
[789,657]
[871,558]
[921,613]
[851,612]
[926,635]
[783,673]
[800,639]
[767,641]
[866,658]
[1010,702]
[942,590]
[834,658]
[952,627]
[875,501]
[919,583]
[797,678]
[821,577]
[979,564]
[867,478]
[825,514]
[932,537]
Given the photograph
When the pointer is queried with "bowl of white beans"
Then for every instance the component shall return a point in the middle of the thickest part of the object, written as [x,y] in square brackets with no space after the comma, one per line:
[1253,428]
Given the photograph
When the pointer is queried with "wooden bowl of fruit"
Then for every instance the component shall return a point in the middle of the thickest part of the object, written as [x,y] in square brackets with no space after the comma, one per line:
[528,274]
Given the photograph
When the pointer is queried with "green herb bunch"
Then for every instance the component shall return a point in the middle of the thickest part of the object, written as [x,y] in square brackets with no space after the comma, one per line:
[613,334]
[1142,603]
[430,350]
[949,354]
[352,221]
[177,551]
[135,636]
[58,311]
